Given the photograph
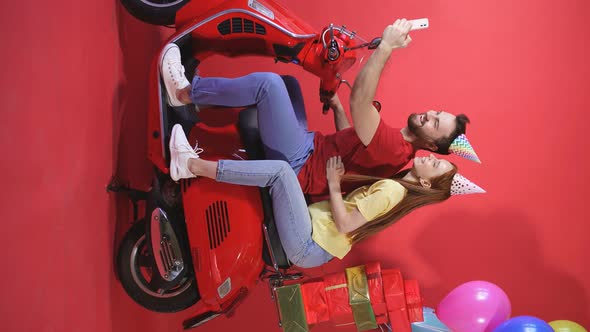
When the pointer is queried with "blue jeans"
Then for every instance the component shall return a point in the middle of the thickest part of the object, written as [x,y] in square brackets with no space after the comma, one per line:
[290,209]
[281,114]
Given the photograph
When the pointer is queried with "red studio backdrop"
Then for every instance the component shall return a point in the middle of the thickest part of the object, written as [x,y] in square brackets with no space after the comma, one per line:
[74,95]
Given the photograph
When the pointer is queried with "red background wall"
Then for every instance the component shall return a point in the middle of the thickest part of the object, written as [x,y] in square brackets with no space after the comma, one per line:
[73,88]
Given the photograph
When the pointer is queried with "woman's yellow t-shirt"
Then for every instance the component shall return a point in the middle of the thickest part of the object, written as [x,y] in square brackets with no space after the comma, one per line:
[371,200]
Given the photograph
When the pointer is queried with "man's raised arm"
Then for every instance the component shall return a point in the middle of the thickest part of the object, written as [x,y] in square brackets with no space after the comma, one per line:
[365,117]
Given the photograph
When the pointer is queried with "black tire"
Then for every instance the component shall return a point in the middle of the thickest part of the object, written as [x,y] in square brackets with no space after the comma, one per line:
[157,12]
[134,264]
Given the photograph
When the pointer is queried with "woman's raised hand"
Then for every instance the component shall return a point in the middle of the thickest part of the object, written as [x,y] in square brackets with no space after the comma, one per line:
[334,170]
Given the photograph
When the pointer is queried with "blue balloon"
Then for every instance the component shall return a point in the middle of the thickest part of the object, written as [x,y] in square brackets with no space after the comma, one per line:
[430,323]
[524,324]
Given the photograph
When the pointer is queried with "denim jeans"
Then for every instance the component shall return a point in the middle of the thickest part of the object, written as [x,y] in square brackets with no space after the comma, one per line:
[290,209]
[281,114]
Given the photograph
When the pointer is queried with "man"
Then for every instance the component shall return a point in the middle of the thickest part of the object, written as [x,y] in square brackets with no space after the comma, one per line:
[371,147]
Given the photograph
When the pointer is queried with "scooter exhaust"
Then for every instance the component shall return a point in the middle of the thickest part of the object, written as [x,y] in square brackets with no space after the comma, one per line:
[165,246]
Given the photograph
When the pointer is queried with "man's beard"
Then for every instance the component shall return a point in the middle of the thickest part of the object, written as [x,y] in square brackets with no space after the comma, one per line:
[412,126]
[417,129]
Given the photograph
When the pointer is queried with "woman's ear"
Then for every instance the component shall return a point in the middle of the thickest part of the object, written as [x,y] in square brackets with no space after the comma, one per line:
[425,183]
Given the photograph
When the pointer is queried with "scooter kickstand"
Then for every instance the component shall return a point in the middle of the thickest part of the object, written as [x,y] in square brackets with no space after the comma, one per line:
[134,195]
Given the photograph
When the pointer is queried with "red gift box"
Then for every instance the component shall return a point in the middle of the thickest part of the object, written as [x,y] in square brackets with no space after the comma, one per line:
[374,280]
[395,298]
[414,301]
[316,305]
[338,301]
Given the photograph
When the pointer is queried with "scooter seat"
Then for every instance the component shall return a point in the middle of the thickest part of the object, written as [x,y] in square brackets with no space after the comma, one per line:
[248,126]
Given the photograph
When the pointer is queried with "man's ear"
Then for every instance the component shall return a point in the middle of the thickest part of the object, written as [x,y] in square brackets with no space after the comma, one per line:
[425,144]
[425,183]
[431,146]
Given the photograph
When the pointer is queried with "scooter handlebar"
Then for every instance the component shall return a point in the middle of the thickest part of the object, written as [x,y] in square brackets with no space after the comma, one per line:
[328,89]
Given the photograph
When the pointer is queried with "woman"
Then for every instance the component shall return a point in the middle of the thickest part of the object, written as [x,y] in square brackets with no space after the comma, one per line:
[337,224]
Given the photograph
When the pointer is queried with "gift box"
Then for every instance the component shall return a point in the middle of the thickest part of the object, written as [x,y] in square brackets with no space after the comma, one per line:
[376,294]
[359,298]
[395,299]
[316,303]
[291,309]
[365,296]
[414,301]
[337,299]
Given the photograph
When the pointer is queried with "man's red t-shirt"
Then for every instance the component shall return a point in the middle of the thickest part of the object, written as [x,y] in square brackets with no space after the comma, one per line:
[385,155]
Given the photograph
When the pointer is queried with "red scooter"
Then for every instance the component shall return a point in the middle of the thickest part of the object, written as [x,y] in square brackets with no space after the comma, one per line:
[201,242]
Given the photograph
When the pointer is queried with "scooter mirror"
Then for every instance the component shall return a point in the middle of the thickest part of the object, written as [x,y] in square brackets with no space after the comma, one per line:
[374,43]
[377,105]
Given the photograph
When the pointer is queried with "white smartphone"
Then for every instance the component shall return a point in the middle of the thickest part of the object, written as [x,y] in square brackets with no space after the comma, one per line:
[418,24]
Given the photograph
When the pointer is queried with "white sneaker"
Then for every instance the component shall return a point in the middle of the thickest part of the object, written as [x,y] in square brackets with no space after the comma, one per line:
[180,152]
[172,72]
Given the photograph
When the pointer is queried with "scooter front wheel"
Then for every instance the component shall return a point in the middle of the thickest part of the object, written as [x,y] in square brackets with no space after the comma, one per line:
[158,12]
[136,272]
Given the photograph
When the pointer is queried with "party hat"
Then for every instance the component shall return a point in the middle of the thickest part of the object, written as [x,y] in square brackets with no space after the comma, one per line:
[462,186]
[463,148]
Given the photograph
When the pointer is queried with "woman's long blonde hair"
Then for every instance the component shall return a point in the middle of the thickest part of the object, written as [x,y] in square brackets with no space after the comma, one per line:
[416,196]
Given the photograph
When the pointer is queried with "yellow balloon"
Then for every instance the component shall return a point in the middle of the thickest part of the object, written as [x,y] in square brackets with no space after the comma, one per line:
[566,326]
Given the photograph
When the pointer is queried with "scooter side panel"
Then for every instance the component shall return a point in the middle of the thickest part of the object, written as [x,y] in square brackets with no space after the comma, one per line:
[224,227]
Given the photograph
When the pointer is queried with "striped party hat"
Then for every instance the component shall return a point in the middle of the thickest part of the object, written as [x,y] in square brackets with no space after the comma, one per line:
[463,148]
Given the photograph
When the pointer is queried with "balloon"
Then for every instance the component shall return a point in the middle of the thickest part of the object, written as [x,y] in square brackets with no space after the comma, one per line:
[524,324]
[430,323]
[476,306]
[566,326]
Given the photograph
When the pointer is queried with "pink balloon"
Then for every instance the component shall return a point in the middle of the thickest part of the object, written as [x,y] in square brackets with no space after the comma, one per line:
[476,306]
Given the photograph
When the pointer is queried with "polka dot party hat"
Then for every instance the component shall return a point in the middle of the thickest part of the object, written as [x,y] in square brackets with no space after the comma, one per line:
[462,186]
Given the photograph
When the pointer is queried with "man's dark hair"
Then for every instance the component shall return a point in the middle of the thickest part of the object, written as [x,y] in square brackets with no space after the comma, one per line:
[443,144]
